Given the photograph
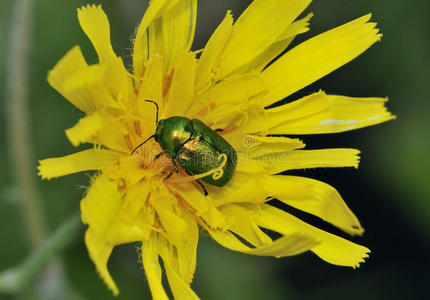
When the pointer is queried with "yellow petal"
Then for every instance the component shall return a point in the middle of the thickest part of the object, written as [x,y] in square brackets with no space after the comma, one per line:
[140,47]
[72,62]
[180,288]
[243,187]
[134,200]
[312,196]
[299,26]
[134,221]
[113,132]
[233,96]
[332,249]
[99,251]
[152,268]
[84,130]
[235,90]
[151,87]
[258,26]
[199,204]
[128,229]
[212,51]
[275,49]
[187,253]
[179,24]
[241,223]
[175,227]
[320,113]
[181,92]
[89,85]
[317,57]
[95,24]
[255,146]
[99,208]
[118,83]
[101,205]
[292,244]
[298,159]
[91,159]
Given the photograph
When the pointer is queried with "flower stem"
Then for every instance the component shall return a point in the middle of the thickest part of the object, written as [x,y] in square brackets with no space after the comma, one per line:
[22,165]
[17,91]
[13,280]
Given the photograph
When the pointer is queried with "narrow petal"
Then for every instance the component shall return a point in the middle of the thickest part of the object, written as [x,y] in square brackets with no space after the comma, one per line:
[89,85]
[140,47]
[113,132]
[298,159]
[85,130]
[181,92]
[309,195]
[100,250]
[130,206]
[101,205]
[317,57]
[134,222]
[315,197]
[99,209]
[91,159]
[292,244]
[212,51]
[174,226]
[187,254]
[228,98]
[299,26]
[255,146]
[199,204]
[179,25]
[235,89]
[275,49]
[152,268]
[180,289]
[332,249]
[241,223]
[72,62]
[243,187]
[128,229]
[320,113]
[179,286]
[258,26]
[150,88]
[95,24]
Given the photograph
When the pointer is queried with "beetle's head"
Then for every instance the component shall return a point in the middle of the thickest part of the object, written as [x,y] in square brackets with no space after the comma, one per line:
[172,133]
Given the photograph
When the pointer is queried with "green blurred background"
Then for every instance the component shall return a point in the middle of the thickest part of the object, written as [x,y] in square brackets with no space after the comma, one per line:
[389,192]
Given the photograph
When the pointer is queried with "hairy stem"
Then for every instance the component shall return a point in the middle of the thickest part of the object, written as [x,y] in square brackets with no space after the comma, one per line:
[17,91]
[15,279]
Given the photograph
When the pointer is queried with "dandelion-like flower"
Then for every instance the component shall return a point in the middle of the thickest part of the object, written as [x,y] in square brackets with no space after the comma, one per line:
[228,85]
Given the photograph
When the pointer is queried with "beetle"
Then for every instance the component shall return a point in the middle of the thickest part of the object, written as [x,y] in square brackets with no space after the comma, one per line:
[197,148]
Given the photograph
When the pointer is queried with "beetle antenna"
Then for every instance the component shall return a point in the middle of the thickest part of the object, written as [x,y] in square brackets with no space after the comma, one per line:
[156,105]
[134,150]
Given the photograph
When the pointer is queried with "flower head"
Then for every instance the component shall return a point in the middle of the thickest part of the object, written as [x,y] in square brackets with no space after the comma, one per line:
[228,86]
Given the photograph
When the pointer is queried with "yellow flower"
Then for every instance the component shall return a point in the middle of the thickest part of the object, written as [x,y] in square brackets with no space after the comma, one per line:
[227,85]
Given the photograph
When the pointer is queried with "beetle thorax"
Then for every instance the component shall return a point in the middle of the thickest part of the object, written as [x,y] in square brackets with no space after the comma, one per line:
[172,133]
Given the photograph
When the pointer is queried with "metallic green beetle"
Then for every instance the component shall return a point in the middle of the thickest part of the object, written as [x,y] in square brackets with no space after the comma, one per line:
[196,148]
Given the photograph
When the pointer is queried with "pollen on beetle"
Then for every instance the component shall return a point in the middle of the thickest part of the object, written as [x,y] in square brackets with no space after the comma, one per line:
[142,193]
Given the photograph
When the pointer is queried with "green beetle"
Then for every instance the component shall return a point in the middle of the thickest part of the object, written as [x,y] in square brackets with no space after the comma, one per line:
[196,148]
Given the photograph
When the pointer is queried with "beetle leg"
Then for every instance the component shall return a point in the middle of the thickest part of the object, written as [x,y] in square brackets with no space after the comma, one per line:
[175,167]
[203,187]
[158,155]
[174,170]
[201,184]
[219,130]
